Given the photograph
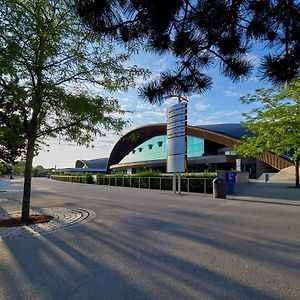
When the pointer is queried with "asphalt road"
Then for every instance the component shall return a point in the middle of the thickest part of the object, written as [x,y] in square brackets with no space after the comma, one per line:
[146,244]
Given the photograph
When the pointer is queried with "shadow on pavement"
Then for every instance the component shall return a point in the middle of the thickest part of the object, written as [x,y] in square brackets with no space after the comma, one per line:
[144,251]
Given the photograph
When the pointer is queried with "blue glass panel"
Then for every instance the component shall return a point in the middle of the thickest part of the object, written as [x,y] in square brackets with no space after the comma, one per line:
[156,148]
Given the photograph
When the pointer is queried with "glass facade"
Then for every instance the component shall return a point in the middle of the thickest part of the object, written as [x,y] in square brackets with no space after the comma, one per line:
[156,148]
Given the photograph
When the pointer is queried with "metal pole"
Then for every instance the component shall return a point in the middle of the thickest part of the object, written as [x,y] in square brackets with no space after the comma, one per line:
[179,183]
[174,183]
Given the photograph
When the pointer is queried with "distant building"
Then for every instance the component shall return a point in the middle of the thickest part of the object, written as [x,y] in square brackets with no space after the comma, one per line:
[209,147]
[87,166]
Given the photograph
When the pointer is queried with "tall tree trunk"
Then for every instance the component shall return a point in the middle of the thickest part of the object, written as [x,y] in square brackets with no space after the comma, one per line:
[297,171]
[31,138]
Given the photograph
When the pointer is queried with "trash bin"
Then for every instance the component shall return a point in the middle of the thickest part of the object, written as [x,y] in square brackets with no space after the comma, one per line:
[219,188]
[230,180]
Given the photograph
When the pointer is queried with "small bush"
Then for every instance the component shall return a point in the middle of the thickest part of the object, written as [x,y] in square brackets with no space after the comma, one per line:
[200,175]
[167,183]
[155,183]
[134,182]
[148,173]
[209,186]
[144,183]
[119,174]
[119,181]
[127,181]
[89,179]
[196,186]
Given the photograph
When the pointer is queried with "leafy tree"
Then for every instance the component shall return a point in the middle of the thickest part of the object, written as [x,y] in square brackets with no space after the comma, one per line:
[19,168]
[274,123]
[12,137]
[51,66]
[3,169]
[201,34]
[40,171]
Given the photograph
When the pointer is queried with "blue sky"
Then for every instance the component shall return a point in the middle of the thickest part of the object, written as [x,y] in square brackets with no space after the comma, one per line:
[218,105]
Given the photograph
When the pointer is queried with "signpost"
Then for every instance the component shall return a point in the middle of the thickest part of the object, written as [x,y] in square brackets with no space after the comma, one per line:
[238,163]
[177,140]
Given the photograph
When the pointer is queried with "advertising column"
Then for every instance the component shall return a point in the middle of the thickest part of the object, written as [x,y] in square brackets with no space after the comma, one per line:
[177,141]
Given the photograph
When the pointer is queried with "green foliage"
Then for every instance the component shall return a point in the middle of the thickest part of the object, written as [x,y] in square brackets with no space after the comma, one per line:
[51,69]
[200,175]
[40,171]
[201,34]
[88,178]
[274,122]
[196,184]
[4,169]
[148,173]
[118,174]
[19,168]
[54,72]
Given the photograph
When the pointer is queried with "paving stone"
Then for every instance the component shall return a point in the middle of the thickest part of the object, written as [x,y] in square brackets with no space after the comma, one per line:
[64,217]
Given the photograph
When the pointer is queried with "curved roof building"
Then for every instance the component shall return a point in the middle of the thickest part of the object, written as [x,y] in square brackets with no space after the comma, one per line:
[208,147]
[98,164]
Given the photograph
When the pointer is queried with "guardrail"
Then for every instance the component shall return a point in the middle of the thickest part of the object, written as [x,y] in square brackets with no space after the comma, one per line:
[193,185]
[76,179]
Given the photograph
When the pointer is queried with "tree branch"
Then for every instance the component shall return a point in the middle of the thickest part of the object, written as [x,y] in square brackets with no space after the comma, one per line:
[62,127]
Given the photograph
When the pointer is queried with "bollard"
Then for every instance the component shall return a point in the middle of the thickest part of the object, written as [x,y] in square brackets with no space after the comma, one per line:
[219,188]
[266,177]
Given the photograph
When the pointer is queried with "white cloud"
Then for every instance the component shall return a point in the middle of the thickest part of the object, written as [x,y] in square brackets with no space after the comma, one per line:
[144,106]
[203,121]
[161,65]
[138,115]
[232,93]
[124,99]
[219,115]
[202,106]
[156,113]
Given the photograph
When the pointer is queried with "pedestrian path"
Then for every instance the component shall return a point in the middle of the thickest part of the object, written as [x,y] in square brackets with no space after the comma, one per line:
[63,217]
[268,192]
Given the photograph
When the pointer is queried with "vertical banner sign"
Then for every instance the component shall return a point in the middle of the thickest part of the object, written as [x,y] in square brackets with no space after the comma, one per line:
[238,163]
[177,138]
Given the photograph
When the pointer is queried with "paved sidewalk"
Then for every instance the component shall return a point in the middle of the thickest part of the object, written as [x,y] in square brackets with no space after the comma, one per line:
[146,244]
[276,192]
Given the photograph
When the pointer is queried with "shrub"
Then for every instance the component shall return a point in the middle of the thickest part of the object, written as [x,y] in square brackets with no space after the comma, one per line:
[148,173]
[89,179]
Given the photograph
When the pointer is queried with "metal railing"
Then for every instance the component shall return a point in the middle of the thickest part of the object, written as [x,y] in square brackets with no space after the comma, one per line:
[190,185]
[75,179]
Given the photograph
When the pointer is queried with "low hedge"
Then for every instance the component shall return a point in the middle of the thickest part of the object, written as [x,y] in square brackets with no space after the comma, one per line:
[193,184]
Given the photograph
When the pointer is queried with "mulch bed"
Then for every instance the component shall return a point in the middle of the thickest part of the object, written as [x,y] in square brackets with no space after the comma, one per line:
[33,219]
